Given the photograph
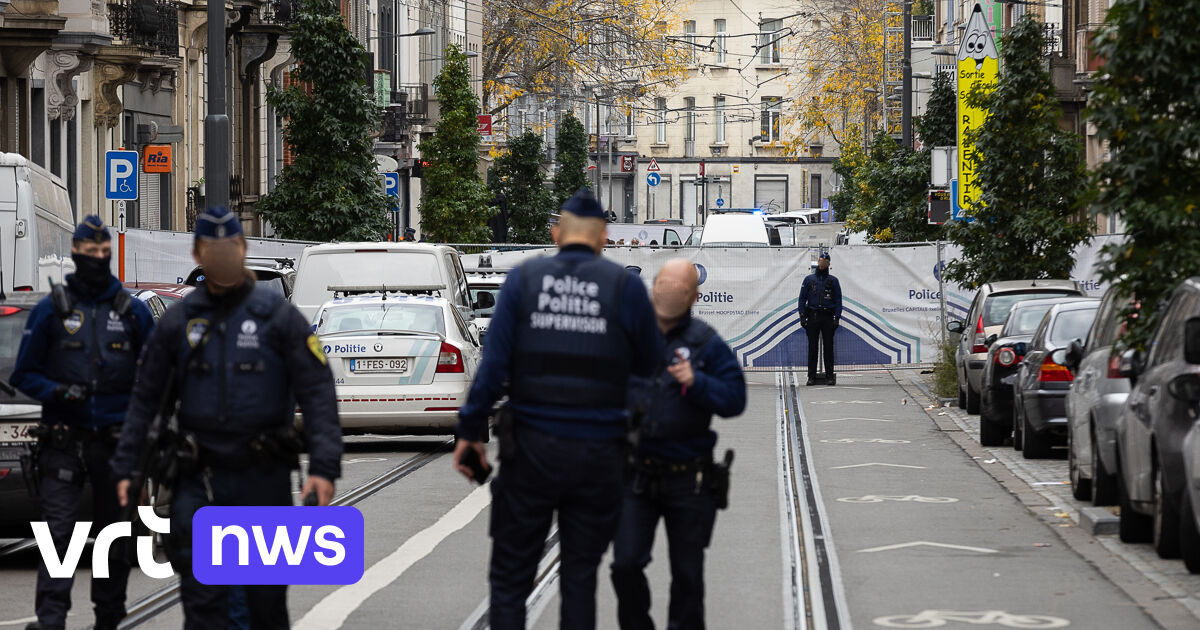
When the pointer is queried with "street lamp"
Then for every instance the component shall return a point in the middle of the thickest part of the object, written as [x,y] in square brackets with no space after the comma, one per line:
[424,30]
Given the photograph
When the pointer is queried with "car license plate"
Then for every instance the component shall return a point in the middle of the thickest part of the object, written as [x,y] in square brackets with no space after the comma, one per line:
[16,432]
[379,366]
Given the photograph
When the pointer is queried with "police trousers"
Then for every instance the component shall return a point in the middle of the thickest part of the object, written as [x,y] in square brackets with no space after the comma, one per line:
[208,607]
[820,327]
[689,511]
[63,474]
[580,480]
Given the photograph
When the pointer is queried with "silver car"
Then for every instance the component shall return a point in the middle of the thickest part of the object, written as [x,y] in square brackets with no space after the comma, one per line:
[1094,402]
[985,318]
[1189,513]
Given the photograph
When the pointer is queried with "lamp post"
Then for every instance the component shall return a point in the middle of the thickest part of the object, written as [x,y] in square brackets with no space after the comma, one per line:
[217,150]
[906,101]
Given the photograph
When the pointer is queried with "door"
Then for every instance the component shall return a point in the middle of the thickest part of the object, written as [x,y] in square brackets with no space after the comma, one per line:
[770,193]
[687,201]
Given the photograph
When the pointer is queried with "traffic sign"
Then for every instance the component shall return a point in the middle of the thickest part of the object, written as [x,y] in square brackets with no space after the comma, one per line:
[652,179]
[121,175]
[391,188]
[627,163]
[720,202]
[653,168]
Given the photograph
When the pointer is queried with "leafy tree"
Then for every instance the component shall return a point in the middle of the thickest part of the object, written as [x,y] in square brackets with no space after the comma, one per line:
[1027,222]
[331,190]
[455,205]
[922,7]
[572,158]
[890,202]
[852,162]
[936,126]
[1145,106]
[518,176]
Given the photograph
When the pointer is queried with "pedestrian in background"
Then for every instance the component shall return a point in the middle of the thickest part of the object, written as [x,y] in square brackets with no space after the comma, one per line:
[241,358]
[78,357]
[568,331]
[820,315]
[673,476]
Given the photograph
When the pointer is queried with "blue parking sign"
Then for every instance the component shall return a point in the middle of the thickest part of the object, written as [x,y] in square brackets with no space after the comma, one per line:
[391,187]
[121,175]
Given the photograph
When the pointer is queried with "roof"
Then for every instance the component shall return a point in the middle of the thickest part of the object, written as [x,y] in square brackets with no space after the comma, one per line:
[375,298]
[1048,300]
[376,246]
[1018,285]
[22,298]
[1076,305]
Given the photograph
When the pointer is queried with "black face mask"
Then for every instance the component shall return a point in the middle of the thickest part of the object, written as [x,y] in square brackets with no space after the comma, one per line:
[92,271]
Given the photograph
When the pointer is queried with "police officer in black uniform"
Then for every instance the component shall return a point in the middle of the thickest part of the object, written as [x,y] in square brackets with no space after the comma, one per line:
[673,476]
[568,331]
[78,357]
[820,314]
[242,358]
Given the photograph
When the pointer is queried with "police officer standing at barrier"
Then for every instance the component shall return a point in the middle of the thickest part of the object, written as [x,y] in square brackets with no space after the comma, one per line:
[568,331]
[78,357]
[820,315]
[673,475]
[241,358]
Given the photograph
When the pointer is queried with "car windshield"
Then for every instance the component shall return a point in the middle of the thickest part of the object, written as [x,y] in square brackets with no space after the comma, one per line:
[274,284]
[996,307]
[382,316]
[364,268]
[1025,320]
[12,325]
[475,293]
[1071,325]
[170,298]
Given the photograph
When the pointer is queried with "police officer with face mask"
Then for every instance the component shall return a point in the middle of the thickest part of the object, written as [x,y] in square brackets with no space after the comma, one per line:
[78,357]
[567,331]
[673,476]
[820,308]
[242,358]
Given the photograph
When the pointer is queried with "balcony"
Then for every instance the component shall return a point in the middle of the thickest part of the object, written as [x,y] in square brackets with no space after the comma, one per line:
[412,102]
[922,29]
[1052,40]
[152,24]
[279,12]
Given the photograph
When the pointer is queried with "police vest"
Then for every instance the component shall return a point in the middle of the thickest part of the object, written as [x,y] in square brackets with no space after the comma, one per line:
[667,414]
[233,379]
[96,344]
[570,347]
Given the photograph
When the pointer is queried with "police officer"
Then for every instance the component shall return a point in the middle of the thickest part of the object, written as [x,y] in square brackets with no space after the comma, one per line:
[673,475]
[241,358]
[78,357]
[568,330]
[820,315]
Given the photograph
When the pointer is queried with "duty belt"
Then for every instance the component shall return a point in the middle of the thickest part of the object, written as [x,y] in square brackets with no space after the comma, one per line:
[659,466]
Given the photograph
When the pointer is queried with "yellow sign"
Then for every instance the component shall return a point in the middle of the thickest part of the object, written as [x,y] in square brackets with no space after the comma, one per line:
[978,65]
[736,169]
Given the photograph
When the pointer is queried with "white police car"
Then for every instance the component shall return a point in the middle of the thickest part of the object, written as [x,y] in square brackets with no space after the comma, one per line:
[401,363]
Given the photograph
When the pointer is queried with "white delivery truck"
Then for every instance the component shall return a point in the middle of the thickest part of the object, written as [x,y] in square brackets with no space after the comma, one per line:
[36,223]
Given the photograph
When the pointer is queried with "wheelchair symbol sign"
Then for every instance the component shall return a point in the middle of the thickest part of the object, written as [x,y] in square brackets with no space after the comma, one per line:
[121,175]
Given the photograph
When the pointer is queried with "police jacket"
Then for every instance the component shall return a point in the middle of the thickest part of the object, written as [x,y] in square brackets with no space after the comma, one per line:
[675,423]
[242,362]
[93,345]
[821,291]
[567,331]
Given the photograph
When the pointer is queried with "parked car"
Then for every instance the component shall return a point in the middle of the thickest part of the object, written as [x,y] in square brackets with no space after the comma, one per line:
[1094,401]
[1040,387]
[1006,349]
[401,364]
[738,228]
[277,274]
[169,293]
[337,267]
[1153,423]
[153,301]
[986,317]
[485,287]
[1188,388]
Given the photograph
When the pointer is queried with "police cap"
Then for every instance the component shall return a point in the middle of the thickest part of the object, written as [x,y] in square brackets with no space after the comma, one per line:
[584,204]
[92,229]
[217,222]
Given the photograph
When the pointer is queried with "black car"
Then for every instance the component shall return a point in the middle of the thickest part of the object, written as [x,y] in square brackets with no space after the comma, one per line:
[1005,351]
[1042,381]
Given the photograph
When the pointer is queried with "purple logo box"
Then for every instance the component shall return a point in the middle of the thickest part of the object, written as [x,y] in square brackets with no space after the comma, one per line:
[277,545]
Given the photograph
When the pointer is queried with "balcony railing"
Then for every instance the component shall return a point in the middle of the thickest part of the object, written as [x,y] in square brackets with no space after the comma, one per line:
[1052,39]
[147,23]
[922,28]
[279,12]
[413,101]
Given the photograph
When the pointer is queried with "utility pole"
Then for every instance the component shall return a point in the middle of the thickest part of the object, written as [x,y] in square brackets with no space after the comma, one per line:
[597,93]
[906,101]
[217,151]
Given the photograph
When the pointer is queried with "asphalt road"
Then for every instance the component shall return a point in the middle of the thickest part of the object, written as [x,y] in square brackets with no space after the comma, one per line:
[852,506]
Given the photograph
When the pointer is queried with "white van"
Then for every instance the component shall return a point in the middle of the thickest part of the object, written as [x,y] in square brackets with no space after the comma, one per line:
[738,229]
[353,267]
[662,233]
[36,224]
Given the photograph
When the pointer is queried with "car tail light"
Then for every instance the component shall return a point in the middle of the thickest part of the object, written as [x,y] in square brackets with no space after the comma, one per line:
[9,310]
[1007,357]
[980,346]
[450,360]
[1052,372]
[1114,366]
[24,288]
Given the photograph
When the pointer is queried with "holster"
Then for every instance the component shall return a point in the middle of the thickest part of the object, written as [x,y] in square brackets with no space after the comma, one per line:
[717,479]
[282,446]
[505,433]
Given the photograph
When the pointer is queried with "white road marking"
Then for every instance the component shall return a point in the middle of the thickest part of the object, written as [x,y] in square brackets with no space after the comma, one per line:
[845,402]
[911,498]
[870,419]
[17,622]
[865,441]
[330,613]
[938,618]
[925,543]
[875,464]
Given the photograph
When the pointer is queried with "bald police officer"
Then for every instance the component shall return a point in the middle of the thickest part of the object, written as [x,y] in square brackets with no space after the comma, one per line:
[243,357]
[78,357]
[568,330]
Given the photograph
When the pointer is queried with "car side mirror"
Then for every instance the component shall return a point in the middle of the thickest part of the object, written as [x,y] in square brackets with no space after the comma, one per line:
[955,326]
[1059,356]
[484,301]
[1185,387]
[1130,364]
[991,340]
[1074,355]
[1191,340]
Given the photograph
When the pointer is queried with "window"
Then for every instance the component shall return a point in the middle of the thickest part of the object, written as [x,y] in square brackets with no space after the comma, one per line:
[768,41]
[719,119]
[660,119]
[771,106]
[689,105]
[719,28]
[689,36]
[629,133]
